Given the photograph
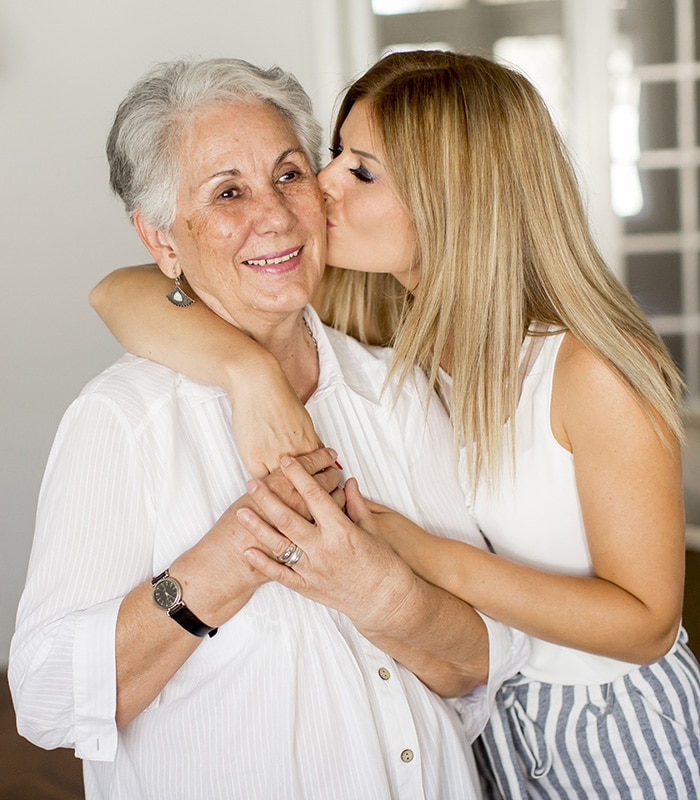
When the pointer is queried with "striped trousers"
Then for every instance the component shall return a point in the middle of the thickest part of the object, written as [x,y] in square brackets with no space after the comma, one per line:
[637,737]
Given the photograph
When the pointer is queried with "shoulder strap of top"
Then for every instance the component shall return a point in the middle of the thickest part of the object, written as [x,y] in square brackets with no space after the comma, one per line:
[533,345]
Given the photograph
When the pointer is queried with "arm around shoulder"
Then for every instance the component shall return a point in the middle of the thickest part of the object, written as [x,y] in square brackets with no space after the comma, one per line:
[269,420]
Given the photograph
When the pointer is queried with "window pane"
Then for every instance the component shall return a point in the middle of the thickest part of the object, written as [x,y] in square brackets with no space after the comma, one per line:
[625,188]
[660,197]
[654,279]
[541,59]
[657,111]
[651,26]
[386,7]
[697,107]
[676,347]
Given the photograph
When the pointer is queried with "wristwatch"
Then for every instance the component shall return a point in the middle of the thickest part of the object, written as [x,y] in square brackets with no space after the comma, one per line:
[167,594]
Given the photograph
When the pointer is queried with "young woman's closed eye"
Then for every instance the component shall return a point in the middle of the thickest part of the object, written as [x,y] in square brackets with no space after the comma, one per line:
[368,228]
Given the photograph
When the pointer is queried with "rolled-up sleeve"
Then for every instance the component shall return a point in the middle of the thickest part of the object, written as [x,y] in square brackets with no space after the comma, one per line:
[92,545]
[508,651]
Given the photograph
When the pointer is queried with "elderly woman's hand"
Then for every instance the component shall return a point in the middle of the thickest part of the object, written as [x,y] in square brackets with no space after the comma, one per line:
[341,564]
[322,464]
[220,579]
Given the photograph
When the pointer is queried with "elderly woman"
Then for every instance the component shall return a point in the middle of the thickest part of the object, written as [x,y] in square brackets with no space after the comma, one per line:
[215,162]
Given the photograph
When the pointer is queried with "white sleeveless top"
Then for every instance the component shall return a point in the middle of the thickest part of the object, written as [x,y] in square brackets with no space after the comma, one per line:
[535,517]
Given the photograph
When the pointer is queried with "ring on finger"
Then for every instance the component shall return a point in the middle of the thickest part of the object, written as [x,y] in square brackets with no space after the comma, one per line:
[291,555]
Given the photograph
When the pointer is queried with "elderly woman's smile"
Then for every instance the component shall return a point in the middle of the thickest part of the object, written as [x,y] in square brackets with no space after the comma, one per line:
[250,229]
[282,262]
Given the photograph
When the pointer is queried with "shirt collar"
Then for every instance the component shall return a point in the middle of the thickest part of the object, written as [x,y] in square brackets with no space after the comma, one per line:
[342,362]
[330,372]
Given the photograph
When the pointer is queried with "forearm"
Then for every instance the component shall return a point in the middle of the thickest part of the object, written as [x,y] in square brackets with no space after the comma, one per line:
[216,581]
[269,420]
[195,341]
[438,637]
[151,647]
[586,613]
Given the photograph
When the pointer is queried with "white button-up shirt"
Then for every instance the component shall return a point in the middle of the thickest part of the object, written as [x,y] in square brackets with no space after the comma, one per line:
[288,700]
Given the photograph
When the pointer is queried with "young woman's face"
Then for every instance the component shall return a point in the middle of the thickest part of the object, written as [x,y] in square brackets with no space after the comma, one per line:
[368,228]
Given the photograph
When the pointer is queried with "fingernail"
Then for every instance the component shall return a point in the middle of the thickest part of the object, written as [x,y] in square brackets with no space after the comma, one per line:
[252,486]
[244,514]
[333,453]
[338,464]
[286,461]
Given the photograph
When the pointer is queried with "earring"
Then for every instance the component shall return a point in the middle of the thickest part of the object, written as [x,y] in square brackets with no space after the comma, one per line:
[178,297]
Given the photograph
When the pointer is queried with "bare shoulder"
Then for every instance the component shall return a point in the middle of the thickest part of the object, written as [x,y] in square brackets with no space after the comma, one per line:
[588,396]
[575,361]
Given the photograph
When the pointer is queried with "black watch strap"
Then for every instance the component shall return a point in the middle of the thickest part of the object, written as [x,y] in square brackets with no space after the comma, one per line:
[183,616]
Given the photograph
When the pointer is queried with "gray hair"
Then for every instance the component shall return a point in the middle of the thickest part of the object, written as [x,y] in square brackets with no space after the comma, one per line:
[142,146]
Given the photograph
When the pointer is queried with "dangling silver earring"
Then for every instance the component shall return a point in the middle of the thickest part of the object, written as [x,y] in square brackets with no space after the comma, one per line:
[178,297]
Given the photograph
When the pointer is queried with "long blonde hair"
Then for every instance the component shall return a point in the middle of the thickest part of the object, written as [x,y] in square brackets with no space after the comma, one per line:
[501,240]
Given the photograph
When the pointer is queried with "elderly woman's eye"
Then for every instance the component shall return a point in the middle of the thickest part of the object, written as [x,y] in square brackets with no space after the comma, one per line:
[289,175]
[232,191]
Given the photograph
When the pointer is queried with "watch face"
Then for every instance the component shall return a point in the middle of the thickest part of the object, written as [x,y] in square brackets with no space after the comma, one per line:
[166,593]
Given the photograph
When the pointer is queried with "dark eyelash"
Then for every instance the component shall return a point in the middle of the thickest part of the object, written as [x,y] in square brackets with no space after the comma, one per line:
[362,174]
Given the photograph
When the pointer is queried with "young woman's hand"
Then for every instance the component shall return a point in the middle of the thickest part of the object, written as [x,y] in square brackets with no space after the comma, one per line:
[269,421]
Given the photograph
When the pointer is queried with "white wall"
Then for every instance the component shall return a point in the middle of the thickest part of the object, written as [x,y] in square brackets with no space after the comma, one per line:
[64,67]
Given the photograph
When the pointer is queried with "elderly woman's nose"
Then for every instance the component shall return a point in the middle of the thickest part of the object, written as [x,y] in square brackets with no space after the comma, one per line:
[273,211]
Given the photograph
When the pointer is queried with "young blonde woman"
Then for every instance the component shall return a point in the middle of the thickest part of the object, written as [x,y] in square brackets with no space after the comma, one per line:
[449,175]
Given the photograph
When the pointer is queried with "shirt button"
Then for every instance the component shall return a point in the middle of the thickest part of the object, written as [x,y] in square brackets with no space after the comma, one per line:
[384,674]
[407,756]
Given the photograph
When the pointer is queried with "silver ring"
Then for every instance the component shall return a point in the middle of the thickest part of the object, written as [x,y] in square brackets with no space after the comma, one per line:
[291,555]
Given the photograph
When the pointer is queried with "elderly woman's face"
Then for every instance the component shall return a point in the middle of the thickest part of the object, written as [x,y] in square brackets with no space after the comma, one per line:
[250,227]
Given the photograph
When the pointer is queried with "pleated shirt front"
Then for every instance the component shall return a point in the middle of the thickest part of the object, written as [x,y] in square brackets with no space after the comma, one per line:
[288,700]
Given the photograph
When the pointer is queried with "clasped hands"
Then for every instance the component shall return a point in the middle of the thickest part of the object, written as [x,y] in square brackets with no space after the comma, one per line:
[343,563]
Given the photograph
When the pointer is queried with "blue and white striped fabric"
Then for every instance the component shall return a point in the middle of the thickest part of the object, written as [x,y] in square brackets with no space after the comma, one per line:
[637,737]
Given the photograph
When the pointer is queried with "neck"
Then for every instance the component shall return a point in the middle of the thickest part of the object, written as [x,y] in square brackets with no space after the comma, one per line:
[293,346]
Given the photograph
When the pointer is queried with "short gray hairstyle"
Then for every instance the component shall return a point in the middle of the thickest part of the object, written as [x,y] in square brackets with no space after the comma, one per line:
[142,146]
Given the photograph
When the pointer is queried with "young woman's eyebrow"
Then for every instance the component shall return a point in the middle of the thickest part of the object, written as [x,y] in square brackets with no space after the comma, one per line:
[365,154]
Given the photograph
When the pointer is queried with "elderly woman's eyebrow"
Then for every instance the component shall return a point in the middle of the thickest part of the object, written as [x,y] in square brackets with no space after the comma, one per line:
[234,172]
[291,151]
[230,172]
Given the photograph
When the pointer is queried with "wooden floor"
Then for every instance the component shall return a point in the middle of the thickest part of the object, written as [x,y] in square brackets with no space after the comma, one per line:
[29,773]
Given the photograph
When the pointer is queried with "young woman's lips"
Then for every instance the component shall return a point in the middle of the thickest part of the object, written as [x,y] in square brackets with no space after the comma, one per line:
[276,263]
